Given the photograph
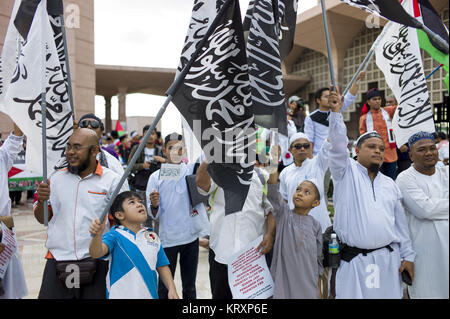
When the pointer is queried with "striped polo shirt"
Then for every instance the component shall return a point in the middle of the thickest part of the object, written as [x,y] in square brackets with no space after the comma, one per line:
[133,259]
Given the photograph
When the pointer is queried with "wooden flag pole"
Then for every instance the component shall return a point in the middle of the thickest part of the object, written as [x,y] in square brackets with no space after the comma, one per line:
[327,39]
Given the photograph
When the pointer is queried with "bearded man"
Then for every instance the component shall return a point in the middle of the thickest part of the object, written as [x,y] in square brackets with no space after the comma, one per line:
[76,196]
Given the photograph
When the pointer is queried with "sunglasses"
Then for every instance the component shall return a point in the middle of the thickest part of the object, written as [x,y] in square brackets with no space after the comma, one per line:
[85,123]
[300,146]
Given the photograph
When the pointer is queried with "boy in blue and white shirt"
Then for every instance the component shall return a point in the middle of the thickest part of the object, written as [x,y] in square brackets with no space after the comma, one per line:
[180,224]
[134,252]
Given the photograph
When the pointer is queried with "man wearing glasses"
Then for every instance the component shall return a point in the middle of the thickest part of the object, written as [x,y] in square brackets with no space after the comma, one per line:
[76,195]
[104,157]
[305,167]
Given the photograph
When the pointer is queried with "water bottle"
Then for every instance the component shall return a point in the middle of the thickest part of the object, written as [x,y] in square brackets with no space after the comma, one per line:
[333,252]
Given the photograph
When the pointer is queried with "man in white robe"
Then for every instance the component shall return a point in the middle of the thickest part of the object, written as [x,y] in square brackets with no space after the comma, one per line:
[305,168]
[368,216]
[426,200]
[13,282]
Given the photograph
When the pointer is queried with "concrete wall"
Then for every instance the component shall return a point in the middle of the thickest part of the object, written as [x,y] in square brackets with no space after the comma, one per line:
[79,20]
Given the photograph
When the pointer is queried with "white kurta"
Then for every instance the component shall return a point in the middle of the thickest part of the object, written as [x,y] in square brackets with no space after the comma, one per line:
[14,280]
[369,215]
[293,175]
[426,202]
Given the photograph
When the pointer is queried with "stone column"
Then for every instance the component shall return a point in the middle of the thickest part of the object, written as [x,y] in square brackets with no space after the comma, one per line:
[122,97]
[108,124]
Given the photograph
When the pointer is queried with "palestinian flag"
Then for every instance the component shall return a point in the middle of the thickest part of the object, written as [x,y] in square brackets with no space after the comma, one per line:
[119,129]
[424,11]
[21,179]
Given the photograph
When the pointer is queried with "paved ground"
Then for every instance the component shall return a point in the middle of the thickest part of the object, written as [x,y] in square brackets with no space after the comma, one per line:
[31,237]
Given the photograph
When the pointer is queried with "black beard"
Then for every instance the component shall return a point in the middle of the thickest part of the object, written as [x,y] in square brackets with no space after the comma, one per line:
[78,169]
[374,168]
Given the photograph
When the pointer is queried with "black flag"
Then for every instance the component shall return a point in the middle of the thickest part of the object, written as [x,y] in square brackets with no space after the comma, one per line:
[214,97]
[26,12]
[270,27]
[389,9]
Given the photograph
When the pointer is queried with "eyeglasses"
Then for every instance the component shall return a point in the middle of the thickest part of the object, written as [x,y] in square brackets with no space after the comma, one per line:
[300,146]
[85,123]
[76,147]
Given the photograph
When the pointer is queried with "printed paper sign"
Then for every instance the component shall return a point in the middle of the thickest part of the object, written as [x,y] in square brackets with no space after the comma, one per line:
[10,244]
[170,172]
[248,274]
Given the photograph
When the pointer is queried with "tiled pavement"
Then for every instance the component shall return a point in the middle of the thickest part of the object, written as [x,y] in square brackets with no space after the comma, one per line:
[31,237]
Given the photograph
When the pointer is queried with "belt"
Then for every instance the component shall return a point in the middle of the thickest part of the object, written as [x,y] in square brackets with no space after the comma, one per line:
[348,252]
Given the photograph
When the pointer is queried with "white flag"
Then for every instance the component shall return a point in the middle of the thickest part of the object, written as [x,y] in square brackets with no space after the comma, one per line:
[398,56]
[21,97]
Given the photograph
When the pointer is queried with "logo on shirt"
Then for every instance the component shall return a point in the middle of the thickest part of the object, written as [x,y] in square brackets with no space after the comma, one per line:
[151,237]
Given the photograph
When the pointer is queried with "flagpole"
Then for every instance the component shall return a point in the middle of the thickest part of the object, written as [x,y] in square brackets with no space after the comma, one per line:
[327,38]
[170,93]
[432,72]
[44,105]
[366,60]
[441,43]
[136,155]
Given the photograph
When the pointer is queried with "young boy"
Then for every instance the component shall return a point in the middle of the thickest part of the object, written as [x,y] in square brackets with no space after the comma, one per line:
[297,256]
[180,224]
[134,252]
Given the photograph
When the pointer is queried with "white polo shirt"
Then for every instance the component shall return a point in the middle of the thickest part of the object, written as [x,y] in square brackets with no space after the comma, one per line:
[75,202]
[233,232]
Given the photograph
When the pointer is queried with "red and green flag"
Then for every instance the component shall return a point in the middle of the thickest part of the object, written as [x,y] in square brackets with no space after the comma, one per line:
[119,129]
[424,11]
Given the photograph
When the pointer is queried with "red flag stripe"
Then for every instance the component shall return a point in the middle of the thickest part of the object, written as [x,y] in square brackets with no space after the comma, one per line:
[14,171]
[416,9]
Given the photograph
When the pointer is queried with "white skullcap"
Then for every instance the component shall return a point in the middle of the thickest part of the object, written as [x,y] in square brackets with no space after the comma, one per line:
[316,183]
[311,180]
[297,136]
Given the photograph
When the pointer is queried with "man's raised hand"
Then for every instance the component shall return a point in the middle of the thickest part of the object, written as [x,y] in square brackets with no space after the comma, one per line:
[334,100]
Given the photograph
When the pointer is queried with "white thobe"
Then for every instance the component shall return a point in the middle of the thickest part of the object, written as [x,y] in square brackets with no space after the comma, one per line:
[369,215]
[293,175]
[426,202]
[14,280]
[233,232]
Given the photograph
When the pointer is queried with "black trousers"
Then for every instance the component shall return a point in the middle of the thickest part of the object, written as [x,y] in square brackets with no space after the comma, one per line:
[218,278]
[53,288]
[188,269]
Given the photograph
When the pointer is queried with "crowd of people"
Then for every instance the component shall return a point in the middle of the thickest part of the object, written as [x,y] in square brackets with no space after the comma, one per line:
[390,206]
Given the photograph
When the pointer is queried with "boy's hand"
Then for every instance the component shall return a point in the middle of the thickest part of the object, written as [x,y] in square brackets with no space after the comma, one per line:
[159,159]
[2,247]
[146,165]
[154,198]
[43,191]
[266,244]
[172,294]
[275,151]
[96,228]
